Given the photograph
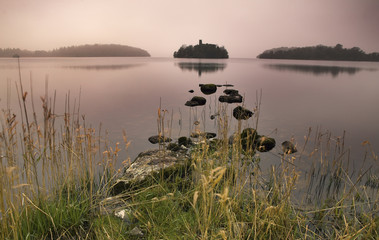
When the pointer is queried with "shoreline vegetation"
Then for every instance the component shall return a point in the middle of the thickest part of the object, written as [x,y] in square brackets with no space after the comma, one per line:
[94,50]
[320,52]
[57,177]
[201,50]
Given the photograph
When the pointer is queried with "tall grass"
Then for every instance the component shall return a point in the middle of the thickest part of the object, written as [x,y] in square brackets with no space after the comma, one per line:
[49,169]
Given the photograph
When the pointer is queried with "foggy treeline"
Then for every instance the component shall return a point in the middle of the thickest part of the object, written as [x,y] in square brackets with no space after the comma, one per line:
[320,52]
[96,50]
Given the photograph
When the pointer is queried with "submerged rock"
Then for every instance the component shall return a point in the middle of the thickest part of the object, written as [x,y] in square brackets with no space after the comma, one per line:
[288,147]
[159,139]
[196,101]
[208,89]
[241,113]
[265,144]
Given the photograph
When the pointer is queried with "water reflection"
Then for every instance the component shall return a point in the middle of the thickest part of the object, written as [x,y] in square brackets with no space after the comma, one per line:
[201,67]
[103,67]
[316,69]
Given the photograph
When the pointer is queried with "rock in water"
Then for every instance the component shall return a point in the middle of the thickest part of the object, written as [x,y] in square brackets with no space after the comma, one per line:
[159,139]
[288,147]
[231,92]
[265,144]
[241,113]
[196,101]
[231,98]
[184,141]
[208,89]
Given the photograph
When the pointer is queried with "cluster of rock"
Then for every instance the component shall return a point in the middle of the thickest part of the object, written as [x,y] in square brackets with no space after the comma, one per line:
[250,139]
[174,158]
[230,95]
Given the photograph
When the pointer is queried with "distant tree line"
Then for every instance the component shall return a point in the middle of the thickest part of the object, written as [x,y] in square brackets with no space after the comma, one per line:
[320,52]
[201,51]
[96,50]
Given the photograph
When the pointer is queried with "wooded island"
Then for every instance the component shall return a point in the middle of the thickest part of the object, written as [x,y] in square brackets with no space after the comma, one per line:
[202,50]
[320,52]
[95,50]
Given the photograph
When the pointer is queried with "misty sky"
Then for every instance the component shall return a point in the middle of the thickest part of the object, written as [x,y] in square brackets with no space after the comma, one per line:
[245,27]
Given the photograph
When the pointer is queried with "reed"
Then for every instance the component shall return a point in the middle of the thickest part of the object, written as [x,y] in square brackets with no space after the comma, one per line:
[49,176]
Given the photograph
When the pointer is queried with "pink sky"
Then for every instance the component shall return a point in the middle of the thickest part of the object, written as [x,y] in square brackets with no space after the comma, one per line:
[245,27]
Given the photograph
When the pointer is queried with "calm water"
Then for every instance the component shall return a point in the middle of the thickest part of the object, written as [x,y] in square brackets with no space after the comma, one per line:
[125,93]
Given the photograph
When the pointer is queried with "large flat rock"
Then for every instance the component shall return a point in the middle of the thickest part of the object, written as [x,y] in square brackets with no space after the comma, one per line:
[149,163]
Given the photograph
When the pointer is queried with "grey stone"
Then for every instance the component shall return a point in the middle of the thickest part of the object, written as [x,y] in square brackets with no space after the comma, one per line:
[136,232]
[149,163]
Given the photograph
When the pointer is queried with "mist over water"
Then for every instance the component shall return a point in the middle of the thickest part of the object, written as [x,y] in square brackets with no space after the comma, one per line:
[125,93]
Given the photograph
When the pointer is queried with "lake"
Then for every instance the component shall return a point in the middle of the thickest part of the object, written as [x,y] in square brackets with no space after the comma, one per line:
[125,93]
